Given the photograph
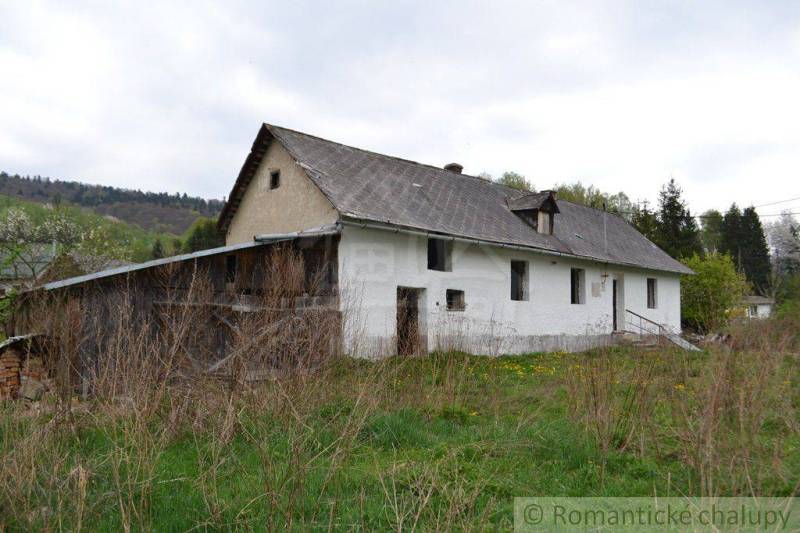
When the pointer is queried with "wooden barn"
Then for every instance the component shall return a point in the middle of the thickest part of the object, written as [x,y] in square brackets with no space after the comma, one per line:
[273,301]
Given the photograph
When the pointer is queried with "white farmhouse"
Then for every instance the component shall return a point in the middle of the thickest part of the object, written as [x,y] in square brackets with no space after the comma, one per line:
[432,258]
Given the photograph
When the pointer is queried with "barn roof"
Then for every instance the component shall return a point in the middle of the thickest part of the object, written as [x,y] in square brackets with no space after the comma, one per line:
[259,240]
[370,186]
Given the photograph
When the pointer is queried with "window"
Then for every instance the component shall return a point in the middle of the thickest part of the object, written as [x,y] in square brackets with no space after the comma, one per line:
[753,311]
[652,293]
[230,269]
[274,179]
[455,300]
[439,252]
[577,282]
[519,280]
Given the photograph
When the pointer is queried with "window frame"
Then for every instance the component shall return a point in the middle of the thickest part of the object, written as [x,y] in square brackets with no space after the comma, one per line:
[652,293]
[274,179]
[444,246]
[577,286]
[523,290]
[455,300]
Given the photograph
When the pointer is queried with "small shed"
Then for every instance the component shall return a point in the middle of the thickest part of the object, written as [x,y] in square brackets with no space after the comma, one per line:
[758,306]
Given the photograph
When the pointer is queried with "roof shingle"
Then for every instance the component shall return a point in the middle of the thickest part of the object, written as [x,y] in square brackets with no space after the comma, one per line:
[376,187]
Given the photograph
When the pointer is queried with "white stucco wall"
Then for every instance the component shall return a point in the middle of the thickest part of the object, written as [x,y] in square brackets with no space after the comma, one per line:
[762,311]
[373,263]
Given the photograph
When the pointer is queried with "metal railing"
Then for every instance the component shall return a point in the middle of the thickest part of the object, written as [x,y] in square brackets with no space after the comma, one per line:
[644,325]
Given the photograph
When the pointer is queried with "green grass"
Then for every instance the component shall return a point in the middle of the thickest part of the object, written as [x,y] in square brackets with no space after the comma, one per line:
[451,437]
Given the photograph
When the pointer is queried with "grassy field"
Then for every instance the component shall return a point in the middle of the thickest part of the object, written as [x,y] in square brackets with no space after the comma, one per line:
[439,442]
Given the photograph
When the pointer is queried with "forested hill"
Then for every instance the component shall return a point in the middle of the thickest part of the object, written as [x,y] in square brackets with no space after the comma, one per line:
[162,212]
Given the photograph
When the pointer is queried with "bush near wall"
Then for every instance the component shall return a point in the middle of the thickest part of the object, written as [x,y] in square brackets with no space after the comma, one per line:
[712,296]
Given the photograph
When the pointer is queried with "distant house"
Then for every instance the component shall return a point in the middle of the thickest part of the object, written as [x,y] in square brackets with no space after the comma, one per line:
[758,306]
[436,258]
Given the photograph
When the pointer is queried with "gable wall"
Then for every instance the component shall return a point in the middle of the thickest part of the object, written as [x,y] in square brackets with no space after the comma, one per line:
[373,263]
[296,205]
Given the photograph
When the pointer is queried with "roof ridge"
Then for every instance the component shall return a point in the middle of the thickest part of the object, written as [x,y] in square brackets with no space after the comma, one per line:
[396,158]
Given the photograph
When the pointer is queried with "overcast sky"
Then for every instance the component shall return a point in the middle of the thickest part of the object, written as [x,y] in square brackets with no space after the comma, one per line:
[621,95]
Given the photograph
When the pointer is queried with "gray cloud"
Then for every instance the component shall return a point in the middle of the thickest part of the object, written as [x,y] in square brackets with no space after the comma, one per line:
[619,94]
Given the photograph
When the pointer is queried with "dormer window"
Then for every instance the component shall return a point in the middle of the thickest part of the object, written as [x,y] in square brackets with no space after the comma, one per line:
[538,210]
[545,225]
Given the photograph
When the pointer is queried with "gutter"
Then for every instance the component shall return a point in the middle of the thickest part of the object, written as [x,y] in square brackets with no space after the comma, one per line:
[353,221]
[332,229]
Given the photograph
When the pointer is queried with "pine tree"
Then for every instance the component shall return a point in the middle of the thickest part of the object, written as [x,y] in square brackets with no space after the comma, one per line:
[755,259]
[742,238]
[645,221]
[711,230]
[731,235]
[676,232]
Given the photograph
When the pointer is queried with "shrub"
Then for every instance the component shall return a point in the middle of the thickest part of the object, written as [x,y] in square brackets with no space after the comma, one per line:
[712,296]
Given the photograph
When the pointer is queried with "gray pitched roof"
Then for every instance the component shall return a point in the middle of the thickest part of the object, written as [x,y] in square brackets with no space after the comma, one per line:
[370,186]
[754,299]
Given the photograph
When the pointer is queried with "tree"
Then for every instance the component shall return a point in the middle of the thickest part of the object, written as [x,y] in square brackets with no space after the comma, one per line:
[676,232]
[593,197]
[515,181]
[203,235]
[731,233]
[784,240]
[755,256]
[743,239]
[645,221]
[711,297]
[158,249]
[711,230]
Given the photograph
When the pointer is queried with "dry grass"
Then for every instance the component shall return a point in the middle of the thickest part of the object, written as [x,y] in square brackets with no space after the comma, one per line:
[327,442]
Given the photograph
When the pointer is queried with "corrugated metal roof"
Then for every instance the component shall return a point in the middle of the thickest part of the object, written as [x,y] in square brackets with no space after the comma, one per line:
[261,241]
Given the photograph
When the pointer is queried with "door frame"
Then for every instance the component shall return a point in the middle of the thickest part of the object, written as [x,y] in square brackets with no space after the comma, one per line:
[418,343]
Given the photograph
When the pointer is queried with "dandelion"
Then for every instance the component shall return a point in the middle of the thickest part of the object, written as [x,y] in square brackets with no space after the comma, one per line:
[679,386]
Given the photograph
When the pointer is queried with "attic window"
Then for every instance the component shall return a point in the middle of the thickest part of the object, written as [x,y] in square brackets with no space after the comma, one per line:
[439,253]
[274,179]
[455,300]
[538,210]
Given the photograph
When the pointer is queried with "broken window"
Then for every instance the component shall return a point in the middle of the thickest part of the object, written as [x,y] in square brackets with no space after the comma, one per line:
[519,280]
[274,179]
[652,293]
[230,268]
[439,252]
[455,300]
[577,282]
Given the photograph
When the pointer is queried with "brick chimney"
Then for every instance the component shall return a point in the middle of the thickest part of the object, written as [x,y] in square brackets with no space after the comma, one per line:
[454,167]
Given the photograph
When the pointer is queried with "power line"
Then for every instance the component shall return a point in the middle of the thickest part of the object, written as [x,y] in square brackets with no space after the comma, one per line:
[778,202]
